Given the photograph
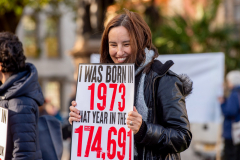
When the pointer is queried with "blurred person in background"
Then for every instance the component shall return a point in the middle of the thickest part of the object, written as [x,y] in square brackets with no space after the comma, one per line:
[52,110]
[21,94]
[231,112]
[67,128]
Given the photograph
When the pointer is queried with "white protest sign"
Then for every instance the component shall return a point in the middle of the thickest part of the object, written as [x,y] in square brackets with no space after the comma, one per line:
[3,132]
[105,95]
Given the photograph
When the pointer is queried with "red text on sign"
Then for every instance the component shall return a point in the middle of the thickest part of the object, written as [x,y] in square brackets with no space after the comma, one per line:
[95,145]
[102,95]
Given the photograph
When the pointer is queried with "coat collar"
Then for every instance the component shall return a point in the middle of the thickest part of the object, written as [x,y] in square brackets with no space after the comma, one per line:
[161,68]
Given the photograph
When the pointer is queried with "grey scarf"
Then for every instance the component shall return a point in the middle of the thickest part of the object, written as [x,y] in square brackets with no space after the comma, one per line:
[140,102]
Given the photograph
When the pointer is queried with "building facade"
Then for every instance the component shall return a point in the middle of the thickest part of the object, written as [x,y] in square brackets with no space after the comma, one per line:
[48,36]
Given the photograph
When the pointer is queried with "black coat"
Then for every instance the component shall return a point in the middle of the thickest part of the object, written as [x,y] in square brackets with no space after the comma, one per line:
[167,130]
[22,95]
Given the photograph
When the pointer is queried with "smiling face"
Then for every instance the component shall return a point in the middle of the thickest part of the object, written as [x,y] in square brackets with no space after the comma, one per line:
[119,44]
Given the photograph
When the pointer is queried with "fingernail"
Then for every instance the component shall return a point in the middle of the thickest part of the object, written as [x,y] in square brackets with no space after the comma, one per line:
[78,112]
[79,116]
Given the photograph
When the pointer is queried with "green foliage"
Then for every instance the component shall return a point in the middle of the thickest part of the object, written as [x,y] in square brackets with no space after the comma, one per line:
[179,35]
[11,10]
[18,5]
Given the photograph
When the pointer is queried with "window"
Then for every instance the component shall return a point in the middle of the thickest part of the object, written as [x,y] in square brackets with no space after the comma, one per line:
[51,39]
[30,40]
[237,13]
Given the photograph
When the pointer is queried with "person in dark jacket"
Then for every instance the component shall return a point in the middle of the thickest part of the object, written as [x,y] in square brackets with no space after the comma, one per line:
[231,112]
[21,94]
[159,120]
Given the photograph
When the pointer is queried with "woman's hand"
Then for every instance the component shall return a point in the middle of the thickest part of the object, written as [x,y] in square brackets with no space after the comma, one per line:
[74,113]
[134,120]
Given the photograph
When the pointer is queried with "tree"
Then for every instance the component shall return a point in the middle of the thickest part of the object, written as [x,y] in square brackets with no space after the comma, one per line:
[12,10]
[181,34]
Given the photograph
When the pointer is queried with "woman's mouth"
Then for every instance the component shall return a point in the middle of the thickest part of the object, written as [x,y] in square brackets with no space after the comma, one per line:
[121,60]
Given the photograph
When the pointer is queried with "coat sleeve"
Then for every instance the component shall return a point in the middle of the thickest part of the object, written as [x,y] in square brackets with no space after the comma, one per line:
[230,107]
[173,135]
[22,123]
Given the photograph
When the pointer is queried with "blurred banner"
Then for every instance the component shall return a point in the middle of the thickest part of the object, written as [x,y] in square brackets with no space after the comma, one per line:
[206,70]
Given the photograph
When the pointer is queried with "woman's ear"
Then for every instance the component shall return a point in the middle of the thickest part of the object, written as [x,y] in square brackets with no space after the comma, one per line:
[0,66]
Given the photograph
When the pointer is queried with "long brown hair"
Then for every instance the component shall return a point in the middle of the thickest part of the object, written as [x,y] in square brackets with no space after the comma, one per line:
[140,37]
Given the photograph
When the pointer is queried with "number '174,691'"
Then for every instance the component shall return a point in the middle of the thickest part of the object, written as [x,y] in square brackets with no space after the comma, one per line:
[96,146]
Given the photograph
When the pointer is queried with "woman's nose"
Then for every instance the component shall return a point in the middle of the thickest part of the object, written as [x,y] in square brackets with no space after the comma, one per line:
[120,51]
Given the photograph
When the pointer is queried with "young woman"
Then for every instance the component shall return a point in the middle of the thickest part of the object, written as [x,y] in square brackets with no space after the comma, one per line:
[159,120]
[21,94]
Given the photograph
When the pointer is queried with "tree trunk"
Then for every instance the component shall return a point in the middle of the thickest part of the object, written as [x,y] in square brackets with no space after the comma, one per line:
[9,21]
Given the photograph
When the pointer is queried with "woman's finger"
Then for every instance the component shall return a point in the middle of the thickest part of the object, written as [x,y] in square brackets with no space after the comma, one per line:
[134,122]
[128,122]
[74,109]
[131,118]
[71,119]
[73,114]
[74,103]
[135,109]
[134,114]
[134,128]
